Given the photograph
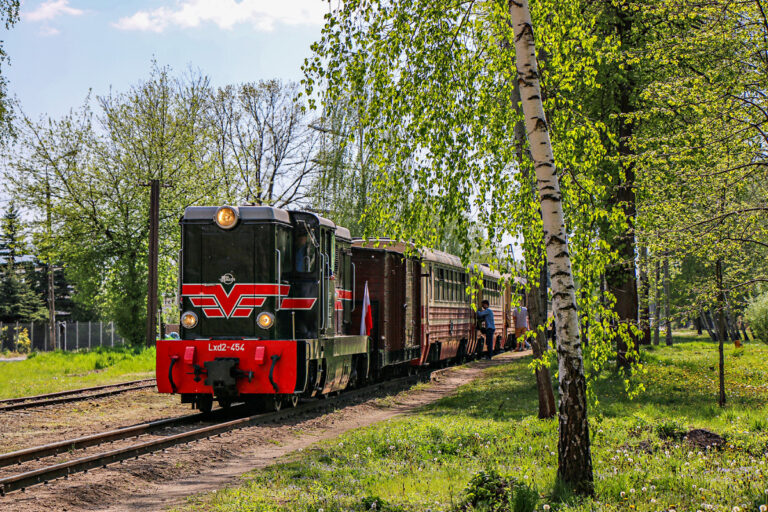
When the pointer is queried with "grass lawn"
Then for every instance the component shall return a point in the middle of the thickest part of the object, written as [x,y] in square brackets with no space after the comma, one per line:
[425,461]
[47,372]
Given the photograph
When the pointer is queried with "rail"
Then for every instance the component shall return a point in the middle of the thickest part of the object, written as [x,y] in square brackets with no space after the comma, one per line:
[43,475]
[73,395]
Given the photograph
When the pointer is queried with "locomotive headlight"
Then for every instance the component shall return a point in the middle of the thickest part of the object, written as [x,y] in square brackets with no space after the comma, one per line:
[226,217]
[188,319]
[265,320]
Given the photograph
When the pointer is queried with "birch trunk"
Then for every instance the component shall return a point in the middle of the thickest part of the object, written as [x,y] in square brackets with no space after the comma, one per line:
[574,457]
[537,295]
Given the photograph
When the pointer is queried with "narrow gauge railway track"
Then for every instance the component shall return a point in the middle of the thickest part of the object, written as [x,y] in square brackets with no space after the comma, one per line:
[74,395]
[43,475]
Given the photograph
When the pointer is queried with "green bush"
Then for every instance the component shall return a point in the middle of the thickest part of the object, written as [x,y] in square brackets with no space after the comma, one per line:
[670,429]
[23,343]
[757,317]
[492,492]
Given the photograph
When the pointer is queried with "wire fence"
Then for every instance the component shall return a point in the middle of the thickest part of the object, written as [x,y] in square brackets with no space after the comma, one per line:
[68,336]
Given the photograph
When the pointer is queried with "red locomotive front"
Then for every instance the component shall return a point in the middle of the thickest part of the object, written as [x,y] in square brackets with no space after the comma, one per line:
[265,300]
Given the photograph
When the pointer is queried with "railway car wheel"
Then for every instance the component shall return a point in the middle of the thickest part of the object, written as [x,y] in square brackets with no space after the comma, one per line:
[292,400]
[205,403]
[276,403]
[225,403]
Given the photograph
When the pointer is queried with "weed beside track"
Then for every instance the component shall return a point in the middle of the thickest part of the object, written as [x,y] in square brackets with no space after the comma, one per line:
[50,372]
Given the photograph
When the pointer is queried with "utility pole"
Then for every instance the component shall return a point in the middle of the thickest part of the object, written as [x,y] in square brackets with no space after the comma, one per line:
[154,221]
[50,267]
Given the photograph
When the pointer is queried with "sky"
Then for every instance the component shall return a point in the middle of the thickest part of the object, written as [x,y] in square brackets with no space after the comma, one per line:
[62,48]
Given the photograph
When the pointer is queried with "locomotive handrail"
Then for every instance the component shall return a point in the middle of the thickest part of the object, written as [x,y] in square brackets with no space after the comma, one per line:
[279,277]
[354,276]
[323,291]
[174,359]
[275,358]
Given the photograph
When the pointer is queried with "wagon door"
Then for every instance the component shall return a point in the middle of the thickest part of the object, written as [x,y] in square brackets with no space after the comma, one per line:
[412,278]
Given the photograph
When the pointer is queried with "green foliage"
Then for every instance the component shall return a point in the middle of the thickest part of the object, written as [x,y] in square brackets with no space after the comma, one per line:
[48,372]
[9,16]
[23,343]
[757,317]
[426,460]
[84,176]
[18,301]
[670,429]
[489,491]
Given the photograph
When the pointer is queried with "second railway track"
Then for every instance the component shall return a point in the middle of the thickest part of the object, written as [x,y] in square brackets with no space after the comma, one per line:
[74,395]
[21,481]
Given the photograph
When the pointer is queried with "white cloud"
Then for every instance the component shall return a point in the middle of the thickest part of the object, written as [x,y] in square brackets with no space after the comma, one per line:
[48,31]
[263,15]
[50,10]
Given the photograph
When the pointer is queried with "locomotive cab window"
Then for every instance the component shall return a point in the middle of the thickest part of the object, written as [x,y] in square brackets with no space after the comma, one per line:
[305,247]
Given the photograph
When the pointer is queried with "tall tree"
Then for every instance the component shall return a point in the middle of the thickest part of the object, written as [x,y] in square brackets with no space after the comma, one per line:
[574,457]
[265,147]
[93,167]
[18,300]
[9,16]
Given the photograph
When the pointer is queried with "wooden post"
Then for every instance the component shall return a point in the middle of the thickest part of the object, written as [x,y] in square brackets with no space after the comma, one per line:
[154,216]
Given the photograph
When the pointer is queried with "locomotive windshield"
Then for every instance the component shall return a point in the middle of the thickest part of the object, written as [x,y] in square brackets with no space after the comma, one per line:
[213,257]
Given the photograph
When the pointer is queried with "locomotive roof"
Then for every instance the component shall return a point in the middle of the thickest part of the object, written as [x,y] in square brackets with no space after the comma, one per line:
[341,232]
[244,212]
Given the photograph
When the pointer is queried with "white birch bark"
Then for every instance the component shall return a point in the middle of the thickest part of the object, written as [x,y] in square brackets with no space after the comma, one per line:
[575,460]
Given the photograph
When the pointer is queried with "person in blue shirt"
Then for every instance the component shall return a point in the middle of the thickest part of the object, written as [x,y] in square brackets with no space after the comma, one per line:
[486,315]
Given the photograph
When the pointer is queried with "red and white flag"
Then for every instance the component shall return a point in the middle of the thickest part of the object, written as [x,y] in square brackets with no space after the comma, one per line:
[366,320]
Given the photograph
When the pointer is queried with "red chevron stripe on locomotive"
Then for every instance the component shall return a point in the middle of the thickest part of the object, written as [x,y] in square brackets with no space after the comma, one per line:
[238,303]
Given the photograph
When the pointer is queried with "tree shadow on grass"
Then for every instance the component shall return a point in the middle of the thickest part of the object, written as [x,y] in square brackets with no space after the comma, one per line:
[681,381]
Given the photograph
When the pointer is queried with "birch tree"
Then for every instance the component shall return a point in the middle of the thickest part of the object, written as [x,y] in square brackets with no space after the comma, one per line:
[440,118]
[574,457]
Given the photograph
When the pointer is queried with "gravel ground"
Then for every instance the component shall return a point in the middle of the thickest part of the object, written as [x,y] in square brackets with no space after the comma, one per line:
[25,428]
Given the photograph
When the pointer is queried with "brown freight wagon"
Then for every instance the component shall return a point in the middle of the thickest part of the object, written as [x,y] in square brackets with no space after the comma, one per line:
[394,287]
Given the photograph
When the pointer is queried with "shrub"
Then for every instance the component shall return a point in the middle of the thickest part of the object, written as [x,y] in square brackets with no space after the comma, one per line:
[670,429]
[757,317]
[492,492]
[378,504]
[23,343]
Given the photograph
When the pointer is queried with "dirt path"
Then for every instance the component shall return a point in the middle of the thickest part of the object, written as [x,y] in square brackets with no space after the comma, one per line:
[159,481]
